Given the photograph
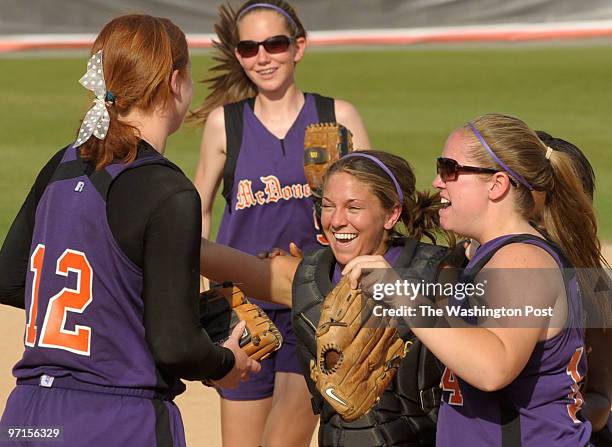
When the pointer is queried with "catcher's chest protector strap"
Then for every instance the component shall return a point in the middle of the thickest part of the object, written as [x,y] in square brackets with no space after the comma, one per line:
[413,394]
[310,286]
[234,113]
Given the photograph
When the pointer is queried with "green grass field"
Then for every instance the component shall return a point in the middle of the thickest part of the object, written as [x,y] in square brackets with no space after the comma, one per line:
[410,99]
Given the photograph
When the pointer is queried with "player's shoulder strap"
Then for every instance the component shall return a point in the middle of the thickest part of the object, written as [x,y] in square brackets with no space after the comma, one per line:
[326,108]
[234,123]
[486,252]
[72,166]
[233,114]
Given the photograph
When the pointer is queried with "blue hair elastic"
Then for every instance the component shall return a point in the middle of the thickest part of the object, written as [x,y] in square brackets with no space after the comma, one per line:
[109,97]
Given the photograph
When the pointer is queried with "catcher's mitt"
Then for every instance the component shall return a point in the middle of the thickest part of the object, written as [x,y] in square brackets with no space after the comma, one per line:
[219,315]
[357,354]
[324,143]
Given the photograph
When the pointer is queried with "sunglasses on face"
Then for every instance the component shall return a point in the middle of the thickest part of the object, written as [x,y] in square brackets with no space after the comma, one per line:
[448,169]
[272,45]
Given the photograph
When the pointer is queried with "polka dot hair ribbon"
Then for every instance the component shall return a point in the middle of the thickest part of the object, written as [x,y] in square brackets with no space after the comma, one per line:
[97,119]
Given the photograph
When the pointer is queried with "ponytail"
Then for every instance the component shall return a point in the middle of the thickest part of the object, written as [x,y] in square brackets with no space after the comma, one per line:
[570,220]
[567,213]
[121,143]
[420,217]
[229,83]
[139,54]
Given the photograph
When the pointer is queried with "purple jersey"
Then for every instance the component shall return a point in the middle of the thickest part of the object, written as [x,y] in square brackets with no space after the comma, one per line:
[84,311]
[270,199]
[540,407]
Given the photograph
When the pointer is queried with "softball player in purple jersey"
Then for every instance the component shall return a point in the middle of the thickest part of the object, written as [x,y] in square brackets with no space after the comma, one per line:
[254,122]
[598,392]
[104,256]
[509,386]
[364,196]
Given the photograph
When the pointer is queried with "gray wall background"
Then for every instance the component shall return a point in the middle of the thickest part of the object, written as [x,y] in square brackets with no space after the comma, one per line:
[198,16]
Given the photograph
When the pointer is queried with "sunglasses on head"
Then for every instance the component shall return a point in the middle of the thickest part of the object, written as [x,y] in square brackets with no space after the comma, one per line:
[272,45]
[448,169]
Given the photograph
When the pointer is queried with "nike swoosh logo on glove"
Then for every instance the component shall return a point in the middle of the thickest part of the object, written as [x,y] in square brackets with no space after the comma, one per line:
[330,393]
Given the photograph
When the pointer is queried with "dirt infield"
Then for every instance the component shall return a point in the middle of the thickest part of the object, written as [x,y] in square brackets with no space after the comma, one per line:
[199,405]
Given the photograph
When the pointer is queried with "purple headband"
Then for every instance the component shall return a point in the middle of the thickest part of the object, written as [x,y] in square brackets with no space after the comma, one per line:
[384,168]
[497,160]
[269,6]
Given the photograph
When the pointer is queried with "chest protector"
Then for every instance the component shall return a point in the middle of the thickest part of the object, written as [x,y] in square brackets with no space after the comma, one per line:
[406,414]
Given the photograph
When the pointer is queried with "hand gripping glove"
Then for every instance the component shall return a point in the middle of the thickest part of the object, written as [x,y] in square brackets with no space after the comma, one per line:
[219,316]
[357,353]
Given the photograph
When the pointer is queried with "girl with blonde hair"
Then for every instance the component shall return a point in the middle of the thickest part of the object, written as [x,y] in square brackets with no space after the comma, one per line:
[254,121]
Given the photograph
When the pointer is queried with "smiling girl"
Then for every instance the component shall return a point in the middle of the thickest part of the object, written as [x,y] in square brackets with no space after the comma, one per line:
[511,385]
[103,257]
[254,122]
[367,197]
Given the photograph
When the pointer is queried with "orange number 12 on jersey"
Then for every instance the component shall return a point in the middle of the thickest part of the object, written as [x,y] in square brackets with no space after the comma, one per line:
[53,333]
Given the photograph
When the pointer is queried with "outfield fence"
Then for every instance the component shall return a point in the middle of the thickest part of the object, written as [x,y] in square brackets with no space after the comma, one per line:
[408,36]
[196,16]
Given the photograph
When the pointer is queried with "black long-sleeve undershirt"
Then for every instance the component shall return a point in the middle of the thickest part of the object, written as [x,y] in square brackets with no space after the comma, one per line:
[154,215]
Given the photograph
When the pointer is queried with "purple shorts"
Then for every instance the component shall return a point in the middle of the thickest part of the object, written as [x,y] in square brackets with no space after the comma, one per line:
[93,419]
[261,385]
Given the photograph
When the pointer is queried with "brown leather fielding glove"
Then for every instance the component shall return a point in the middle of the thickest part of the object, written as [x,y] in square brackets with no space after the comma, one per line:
[224,306]
[357,354]
[324,143]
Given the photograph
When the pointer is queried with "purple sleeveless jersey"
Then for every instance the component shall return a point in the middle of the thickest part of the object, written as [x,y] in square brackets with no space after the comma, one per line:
[545,395]
[84,311]
[87,368]
[270,201]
